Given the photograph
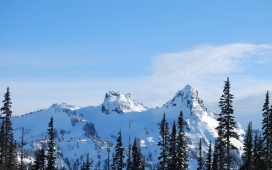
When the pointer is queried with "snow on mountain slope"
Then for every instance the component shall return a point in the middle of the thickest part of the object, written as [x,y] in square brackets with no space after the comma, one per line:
[82,130]
[116,101]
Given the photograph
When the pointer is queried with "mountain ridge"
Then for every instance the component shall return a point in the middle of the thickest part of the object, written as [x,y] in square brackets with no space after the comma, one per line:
[76,127]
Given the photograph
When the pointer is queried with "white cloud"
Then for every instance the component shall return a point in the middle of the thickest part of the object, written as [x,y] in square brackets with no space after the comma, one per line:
[205,68]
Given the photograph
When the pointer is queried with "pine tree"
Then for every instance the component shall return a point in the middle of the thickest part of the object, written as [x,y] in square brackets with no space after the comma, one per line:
[199,160]
[39,163]
[209,158]
[164,134]
[220,147]
[215,162]
[51,165]
[267,132]
[182,152]
[129,162]
[137,160]
[88,163]
[113,165]
[119,153]
[8,147]
[226,121]
[173,158]
[258,162]
[248,148]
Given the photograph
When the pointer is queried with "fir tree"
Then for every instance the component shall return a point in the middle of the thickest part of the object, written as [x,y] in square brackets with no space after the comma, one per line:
[7,145]
[137,160]
[220,148]
[248,148]
[267,131]
[51,165]
[173,158]
[215,162]
[129,162]
[39,163]
[88,163]
[258,162]
[226,120]
[199,160]
[182,152]
[209,158]
[119,154]
[164,135]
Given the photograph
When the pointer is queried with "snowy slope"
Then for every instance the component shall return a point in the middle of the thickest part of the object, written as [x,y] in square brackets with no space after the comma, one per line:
[102,123]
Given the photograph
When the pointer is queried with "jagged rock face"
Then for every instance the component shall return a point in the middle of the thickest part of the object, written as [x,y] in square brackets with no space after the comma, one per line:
[118,102]
[186,97]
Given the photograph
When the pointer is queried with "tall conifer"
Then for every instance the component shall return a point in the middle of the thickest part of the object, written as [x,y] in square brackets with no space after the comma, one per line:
[267,132]
[51,165]
[199,161]
[209,157]
[248,148]
[182,152]
[164,144]
[137,160]
[226,121]
[119,153]
[7,144]
[173,157]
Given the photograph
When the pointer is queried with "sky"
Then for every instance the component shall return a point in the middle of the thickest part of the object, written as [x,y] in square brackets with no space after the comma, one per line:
[76,51]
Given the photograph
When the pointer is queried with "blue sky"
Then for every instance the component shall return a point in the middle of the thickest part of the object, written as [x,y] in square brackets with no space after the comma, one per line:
[75,51]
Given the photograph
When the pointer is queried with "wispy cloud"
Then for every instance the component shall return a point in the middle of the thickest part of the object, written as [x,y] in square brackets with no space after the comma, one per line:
[206,68]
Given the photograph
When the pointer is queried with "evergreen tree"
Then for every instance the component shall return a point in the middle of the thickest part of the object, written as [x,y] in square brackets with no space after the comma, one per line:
[248,148]
[83,166]
[173,158]
[39,163]
[267,132]
[209,158]
[182,152]
[199,161]
[7,144]
[220,147]
[51,165]
[226,121]
[215,162]
[86,165]
[164,144]
[119,154]
[113,165]
[137,160]
[258,162]
[129,162]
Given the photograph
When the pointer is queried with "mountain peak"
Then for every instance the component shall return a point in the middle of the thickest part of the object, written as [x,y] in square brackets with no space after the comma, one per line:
[187,97]
[116,101]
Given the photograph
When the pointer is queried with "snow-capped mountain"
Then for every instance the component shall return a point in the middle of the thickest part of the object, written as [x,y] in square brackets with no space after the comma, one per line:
[118,102]
[81,130]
